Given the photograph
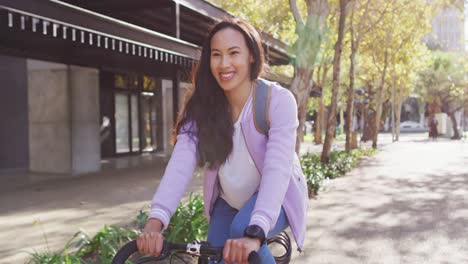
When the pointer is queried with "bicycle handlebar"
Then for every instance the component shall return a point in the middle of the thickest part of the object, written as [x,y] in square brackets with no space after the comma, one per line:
[190,248]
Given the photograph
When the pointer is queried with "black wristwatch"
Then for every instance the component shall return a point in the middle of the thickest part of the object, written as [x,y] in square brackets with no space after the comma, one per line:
[254,231]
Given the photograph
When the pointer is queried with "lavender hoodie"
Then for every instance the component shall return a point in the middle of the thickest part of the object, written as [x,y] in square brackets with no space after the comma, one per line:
[282,183]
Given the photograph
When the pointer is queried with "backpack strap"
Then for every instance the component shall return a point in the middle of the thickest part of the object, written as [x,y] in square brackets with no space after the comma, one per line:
[261,105]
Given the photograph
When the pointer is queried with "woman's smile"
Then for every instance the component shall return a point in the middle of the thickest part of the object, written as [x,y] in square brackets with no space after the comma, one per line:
[227,76]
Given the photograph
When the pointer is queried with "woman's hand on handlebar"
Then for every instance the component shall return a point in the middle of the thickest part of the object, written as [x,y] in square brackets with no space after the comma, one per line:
[150,241]
[238,250]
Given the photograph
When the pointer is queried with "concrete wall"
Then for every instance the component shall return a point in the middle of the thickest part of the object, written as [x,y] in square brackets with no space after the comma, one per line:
[63,118]
[14,147]
[49,117]
[85,123]
[168,116]
[168,110]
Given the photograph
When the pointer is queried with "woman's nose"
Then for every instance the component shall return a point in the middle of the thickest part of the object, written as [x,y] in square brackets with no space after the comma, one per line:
[225,61]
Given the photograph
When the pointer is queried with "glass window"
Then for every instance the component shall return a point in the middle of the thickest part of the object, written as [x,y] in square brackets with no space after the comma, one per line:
[125,81]
[148,112]
[149,83]
[135,129]
[120,81]
[121,123]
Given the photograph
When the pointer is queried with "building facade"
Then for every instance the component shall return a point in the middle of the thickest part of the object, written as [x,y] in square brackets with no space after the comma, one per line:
[84,81]
[447,33]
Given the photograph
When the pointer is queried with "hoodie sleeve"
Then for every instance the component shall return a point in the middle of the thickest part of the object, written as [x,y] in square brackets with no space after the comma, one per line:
[176,177]
[279,156]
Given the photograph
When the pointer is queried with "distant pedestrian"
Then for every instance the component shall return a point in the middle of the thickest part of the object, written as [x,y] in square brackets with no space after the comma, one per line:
[433,132]
[253,184]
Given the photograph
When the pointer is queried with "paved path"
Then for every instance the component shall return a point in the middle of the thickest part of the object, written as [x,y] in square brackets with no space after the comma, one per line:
[408,204]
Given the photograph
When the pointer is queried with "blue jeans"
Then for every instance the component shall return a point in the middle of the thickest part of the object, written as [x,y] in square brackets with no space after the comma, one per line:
[227,223]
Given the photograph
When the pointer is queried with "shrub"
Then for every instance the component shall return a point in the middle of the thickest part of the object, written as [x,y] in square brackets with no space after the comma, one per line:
[313,172]
[340,163]
[189,222]
[105,244]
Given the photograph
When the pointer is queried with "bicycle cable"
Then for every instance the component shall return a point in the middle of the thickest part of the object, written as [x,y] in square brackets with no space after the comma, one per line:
[284,240]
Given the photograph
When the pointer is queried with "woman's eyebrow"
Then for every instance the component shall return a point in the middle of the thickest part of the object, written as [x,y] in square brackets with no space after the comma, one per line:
[231,48]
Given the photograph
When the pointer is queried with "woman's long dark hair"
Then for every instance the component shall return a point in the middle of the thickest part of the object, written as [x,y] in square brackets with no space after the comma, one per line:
[207,106]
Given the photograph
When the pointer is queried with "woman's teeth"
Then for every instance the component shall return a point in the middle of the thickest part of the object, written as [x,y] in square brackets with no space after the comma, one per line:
[227,76]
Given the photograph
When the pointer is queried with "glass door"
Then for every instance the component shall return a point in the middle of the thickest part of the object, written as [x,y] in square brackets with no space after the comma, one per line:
[148,112]
[134,123]
[132,114]
[122,123]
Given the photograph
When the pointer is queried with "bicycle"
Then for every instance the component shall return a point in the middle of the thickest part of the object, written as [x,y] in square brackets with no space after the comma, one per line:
[202,250]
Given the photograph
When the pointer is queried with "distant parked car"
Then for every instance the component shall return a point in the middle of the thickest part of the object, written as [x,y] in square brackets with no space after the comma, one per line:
[411,126]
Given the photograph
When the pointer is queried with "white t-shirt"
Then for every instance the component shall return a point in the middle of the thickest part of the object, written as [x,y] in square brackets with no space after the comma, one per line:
[239,178]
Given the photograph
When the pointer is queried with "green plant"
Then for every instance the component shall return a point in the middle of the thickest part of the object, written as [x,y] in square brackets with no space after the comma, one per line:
[313,172]
[105,244]
[60,257]
[141,219]
[340,163]
[189,222]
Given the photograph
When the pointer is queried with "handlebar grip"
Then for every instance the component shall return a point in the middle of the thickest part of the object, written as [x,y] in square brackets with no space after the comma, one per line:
[254,258]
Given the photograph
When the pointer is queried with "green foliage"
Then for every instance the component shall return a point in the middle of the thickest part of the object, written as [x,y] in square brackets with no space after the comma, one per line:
[271,16]
[105,244]
[308,44]
[83,249]
[53,258]
[313,171]
[340,163]
[141,219]
[60,257]
[442,80]
[189,222]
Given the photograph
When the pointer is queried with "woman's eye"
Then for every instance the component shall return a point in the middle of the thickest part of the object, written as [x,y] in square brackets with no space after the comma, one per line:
[214,54]
[234,52]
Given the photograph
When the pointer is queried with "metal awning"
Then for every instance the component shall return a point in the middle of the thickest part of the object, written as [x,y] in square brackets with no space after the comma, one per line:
[278,50]
[188,20]
[59,20]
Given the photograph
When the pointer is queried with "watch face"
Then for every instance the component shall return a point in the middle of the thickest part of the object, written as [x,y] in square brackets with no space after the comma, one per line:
[255,231]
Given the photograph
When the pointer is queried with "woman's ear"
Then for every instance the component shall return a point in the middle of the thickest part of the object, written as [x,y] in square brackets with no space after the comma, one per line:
[252,59]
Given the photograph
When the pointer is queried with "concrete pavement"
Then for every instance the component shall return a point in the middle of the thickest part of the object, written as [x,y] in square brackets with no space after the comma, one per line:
[408,204]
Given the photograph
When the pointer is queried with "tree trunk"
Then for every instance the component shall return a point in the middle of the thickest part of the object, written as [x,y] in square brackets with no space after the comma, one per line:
[341,121]
[456,134]
[368,124]
[399,104]
[393,106]
[321,108]
[331,122]
[301,87]
[350,101]
[318,127]
[433,108]
[379,101]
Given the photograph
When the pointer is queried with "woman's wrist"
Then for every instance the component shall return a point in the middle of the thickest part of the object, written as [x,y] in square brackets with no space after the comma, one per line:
[153,225]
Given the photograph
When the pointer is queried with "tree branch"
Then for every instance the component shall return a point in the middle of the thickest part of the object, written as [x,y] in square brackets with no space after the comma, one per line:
[295,12]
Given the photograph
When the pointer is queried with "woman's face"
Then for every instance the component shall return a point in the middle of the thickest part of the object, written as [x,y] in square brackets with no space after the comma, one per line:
[230,59]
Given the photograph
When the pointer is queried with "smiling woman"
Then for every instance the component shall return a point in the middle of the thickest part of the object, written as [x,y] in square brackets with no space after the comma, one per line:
[253,185]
